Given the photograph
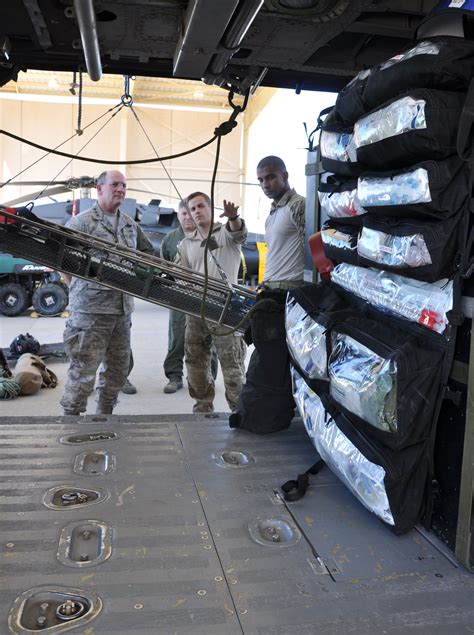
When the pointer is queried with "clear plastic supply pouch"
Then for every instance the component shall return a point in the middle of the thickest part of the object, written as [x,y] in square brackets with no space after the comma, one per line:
[394,251]
[386,380]
[306,341]
[423,249]
[403,115]
[421,125]
[338,198]
[408,188]
[437,189]
[364,382]
[424,303]
[309,312]
[365,479]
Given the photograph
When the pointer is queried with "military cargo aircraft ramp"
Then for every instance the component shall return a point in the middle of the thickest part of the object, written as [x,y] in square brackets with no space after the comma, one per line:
[175,524]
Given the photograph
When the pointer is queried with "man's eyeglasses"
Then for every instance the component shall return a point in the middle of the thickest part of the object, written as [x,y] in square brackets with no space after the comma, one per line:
[116,184]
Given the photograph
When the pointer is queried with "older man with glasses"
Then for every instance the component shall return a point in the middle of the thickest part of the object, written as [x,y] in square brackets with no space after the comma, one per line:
[98,328]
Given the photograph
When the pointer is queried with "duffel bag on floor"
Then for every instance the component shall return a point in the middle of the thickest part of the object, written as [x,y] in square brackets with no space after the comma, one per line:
[31,374]
[439,189]
[265,403]
[427,250]
[392,485]
[422,124]
[386,380]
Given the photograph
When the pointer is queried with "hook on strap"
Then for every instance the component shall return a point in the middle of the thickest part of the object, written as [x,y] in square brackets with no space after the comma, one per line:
[126,98]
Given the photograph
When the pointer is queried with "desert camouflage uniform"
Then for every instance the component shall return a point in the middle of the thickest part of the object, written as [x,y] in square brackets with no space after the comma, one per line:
[231,349]
[173,364]
[98,329]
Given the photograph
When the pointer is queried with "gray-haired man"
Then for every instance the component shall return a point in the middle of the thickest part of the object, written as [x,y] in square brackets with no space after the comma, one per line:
[98,328]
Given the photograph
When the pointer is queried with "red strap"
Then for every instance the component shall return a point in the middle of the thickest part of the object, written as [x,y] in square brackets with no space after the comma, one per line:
[3,219]
[322,264]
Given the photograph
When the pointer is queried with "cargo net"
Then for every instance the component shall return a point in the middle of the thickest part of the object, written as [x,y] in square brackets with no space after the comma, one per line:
[124,269]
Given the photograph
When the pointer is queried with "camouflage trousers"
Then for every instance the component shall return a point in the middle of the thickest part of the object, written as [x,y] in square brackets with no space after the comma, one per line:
[90,340]
[231,351]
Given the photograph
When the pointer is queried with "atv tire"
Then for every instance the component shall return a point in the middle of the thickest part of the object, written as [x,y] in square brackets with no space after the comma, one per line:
[50,299]
[14,299]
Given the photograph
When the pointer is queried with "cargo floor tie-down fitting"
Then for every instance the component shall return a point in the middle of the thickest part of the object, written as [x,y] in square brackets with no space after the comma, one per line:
[124,269]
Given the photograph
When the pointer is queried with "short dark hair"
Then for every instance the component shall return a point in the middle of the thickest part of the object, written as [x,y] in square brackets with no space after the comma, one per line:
[194,194]
[272,162]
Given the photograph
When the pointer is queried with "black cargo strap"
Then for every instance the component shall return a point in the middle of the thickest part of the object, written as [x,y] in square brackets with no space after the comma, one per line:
[294,490]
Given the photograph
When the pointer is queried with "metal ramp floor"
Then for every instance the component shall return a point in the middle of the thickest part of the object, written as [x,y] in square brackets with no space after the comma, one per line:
[182,530]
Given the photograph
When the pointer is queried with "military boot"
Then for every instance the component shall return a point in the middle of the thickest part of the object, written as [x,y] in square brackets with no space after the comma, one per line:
[103,410]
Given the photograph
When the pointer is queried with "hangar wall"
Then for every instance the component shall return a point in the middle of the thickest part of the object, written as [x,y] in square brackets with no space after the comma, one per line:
[120,137]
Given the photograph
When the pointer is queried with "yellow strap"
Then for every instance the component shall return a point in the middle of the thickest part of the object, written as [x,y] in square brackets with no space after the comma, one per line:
[262,257]
[244,266]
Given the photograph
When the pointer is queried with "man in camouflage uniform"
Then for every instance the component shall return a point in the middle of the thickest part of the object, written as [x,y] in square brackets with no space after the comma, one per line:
[231,349]
[174,360]
[98,328]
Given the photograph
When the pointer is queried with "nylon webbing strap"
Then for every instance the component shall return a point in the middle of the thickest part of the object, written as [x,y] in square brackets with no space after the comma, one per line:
[295,489]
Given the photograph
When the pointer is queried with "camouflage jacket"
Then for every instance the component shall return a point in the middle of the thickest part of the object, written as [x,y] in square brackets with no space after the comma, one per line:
[90,297]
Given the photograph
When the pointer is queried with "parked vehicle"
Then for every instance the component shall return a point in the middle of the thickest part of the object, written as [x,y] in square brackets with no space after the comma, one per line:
[24,284]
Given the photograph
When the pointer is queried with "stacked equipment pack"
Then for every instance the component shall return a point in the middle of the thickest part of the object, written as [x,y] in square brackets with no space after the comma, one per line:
[372,349]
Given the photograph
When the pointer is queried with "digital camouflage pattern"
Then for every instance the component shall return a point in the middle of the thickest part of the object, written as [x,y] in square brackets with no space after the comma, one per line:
[88,296]
[98,329]
[89,339]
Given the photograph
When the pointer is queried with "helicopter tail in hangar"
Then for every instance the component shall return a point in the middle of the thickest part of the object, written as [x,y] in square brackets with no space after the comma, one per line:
[143,276]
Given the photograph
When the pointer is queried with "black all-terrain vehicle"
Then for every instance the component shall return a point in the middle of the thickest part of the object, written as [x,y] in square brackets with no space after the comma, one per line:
[24,284]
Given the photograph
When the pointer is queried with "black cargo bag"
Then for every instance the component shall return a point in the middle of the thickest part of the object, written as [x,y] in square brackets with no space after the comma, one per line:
[388,382]
[310,310]
[24,344]
[393,485]
[349,104]
[443,62]
[406,479]
[426,250]
[265,403]
[418,125]
[437,189]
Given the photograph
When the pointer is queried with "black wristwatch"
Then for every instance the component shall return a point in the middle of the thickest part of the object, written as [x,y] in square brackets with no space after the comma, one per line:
[234,217]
